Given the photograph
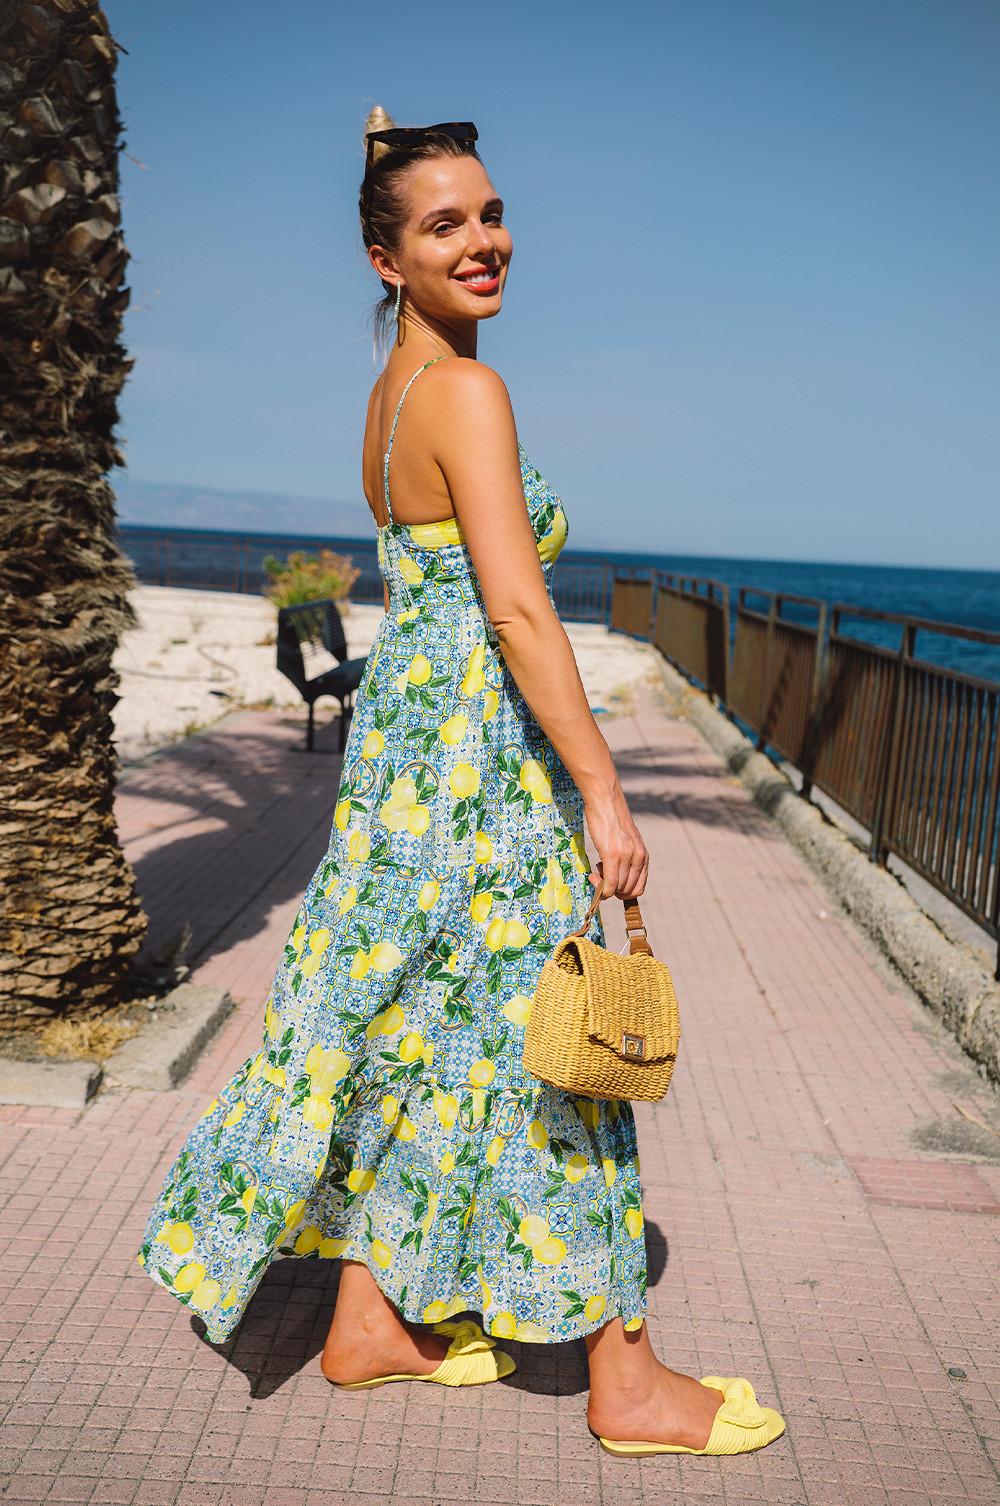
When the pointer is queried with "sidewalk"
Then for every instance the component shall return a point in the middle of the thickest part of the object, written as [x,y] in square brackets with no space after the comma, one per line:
[820,1215]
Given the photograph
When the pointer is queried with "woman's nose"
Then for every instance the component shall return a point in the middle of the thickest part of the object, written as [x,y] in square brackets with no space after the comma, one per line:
[479,237]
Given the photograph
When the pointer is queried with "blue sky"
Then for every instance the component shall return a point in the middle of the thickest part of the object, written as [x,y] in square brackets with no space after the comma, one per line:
[753,308]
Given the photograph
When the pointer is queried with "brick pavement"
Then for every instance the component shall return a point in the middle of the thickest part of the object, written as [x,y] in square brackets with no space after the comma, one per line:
[804,1227]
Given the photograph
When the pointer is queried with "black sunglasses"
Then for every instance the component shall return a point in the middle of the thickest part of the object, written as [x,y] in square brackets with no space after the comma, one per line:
[399,138]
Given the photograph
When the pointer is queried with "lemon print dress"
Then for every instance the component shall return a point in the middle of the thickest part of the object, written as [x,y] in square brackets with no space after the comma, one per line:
[388,1117]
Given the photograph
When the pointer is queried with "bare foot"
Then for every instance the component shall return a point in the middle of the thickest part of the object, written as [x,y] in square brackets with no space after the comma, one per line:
[368,1337]
[668,1408]
[367,1351]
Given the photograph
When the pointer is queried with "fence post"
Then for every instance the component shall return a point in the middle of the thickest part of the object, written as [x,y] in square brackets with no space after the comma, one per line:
[765,697]
[725,645]
[888,775]
[811,749]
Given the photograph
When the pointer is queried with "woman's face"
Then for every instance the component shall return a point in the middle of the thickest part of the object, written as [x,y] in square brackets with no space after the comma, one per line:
[454,250]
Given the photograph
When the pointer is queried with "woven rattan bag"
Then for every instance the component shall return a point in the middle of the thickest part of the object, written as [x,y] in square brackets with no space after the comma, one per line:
[604,1025]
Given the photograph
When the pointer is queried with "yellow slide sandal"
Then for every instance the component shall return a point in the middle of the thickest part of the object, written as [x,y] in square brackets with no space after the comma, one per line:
[472,1360]
[740,1424]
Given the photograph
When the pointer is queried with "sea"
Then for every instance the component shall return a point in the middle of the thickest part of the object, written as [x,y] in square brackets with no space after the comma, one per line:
[228,561]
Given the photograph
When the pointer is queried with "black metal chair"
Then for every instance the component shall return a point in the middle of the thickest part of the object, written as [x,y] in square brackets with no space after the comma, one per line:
[304,629]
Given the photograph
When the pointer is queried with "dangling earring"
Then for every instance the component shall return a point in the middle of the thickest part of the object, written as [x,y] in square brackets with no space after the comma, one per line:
[399,294]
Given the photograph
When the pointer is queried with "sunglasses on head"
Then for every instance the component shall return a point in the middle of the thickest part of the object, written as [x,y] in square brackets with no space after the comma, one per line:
[399,138]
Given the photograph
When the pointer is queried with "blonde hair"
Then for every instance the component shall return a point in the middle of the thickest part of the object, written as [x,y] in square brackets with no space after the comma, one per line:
[381,205]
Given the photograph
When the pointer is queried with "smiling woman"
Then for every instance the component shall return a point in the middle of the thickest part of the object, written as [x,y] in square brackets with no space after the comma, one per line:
[388,1119]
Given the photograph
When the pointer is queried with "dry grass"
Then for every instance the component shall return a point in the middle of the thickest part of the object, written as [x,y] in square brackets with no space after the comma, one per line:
[93,1039]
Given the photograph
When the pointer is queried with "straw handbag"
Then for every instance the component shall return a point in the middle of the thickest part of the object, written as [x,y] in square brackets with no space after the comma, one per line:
[603,1025]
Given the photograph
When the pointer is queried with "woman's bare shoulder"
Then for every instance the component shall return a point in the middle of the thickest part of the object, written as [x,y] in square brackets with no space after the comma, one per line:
[465,376]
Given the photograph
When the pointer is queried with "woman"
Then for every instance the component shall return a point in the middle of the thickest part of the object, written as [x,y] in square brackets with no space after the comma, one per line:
[388,1120]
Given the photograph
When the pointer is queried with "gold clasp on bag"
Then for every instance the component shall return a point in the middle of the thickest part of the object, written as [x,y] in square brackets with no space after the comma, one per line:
[633,1046]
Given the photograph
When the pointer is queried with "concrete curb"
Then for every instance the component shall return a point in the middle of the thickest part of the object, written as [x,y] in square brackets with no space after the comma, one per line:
[52,1085]
[945,975]
[166,1048]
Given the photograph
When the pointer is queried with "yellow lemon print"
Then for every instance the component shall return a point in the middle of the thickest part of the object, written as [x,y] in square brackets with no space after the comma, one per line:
[390,1108]
[411,1046]
[248,1199]
[309,1239]
[491,702]
[631,1324]
[482,1073]
[331,1249]
[464,780]
[593,1308]
[534,779]
[454,729]
[359,846]
[555,894]
[610,1171]
[446,1108]
[386,1023]
[633,1222]
[410,570]
[578,850]
[404,1129]
[189,1276]
[446,1165]
[481,905]
[231,1297]
[473,681]
[518,1009]
[575,1169]
[360,1180]
[484,848]
[317,1111]
[504,1326]
[342,815]
[347,900]
[494,1150]
[205,1295]
[434,1312]
[177,1237]
[385,956]
[235,1114]
[429,895]
[381,1254]
[373,744]
[533,1229]
[550,1251]
[538,1135]
[403,810]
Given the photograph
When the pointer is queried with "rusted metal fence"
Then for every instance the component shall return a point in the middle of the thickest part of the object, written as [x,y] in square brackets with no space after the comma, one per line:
[908,748]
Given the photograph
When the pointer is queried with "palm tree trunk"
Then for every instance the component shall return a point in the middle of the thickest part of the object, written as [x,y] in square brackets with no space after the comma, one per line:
[70,919]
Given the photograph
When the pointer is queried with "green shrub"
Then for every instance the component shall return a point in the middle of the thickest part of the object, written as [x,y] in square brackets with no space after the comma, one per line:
[309,577]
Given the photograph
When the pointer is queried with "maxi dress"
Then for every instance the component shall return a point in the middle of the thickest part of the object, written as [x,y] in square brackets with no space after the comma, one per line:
[388,1117]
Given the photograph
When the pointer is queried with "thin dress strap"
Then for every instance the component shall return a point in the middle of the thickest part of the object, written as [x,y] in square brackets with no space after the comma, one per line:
[392,431]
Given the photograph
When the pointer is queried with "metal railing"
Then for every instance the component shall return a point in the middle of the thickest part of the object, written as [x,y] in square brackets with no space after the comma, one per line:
[230,562]
[909,748]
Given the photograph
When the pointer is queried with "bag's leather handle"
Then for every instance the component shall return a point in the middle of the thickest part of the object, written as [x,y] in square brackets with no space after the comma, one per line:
[634,923]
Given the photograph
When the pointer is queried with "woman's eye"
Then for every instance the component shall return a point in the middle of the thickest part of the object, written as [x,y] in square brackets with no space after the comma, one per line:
[444,225]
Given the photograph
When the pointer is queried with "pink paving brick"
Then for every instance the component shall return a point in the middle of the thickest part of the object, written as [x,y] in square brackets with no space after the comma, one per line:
[797,1232]
[923,1184]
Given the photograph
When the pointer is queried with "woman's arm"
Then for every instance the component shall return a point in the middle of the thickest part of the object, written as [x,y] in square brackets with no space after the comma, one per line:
[477,451]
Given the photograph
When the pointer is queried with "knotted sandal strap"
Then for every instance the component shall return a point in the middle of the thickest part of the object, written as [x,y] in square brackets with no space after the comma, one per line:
[740,1424]
[470,1360]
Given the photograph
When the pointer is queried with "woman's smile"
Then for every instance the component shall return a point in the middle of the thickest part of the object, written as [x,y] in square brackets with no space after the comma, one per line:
[480,279]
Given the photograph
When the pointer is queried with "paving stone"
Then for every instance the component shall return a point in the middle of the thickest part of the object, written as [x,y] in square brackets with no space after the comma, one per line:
[797,1231]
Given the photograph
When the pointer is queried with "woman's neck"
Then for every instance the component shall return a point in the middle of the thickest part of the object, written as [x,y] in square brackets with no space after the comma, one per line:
[419,331]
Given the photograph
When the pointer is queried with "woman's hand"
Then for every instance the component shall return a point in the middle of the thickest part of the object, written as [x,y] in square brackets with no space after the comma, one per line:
[623,861]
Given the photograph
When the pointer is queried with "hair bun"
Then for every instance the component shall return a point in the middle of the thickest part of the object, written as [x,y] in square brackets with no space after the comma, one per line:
[378,120]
